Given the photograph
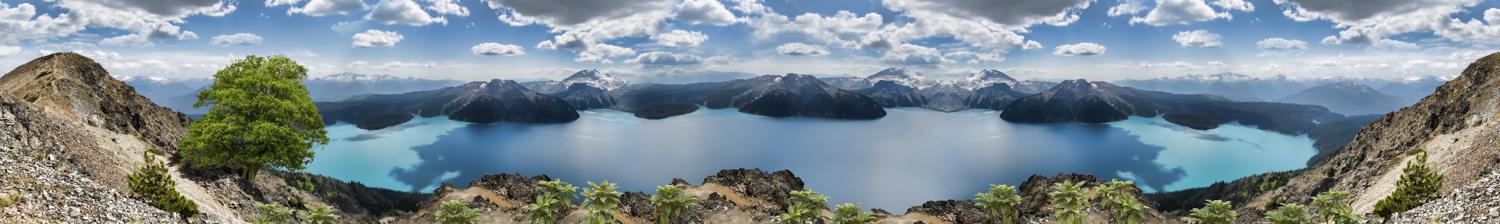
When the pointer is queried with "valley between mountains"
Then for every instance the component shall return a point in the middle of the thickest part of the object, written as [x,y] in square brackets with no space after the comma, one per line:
[71,134]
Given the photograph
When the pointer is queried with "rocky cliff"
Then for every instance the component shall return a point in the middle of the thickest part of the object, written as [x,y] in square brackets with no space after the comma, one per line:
[76,87]
[1456,126]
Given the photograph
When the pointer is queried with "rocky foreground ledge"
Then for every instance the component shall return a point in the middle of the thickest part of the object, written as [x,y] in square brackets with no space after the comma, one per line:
[733,196]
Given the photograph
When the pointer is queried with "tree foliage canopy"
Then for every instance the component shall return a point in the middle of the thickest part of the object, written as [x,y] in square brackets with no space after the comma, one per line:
[259,116]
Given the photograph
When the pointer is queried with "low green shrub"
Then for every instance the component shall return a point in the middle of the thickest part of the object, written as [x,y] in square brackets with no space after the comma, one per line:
[670,202]
[1068,202]
[456,212]
[153,183]
[999,203]
[602,200]
[319,214]
[552,204]
[1214,212]
[850,213]
[273,214]
[807,207]
[1289,214]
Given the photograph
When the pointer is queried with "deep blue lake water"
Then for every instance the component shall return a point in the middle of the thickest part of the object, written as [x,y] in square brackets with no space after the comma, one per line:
[902,160]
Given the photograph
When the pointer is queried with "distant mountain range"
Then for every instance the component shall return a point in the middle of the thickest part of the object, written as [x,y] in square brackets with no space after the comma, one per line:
[1347,98]
[479,102]
[1231,85]
[180,94]
[1098,102]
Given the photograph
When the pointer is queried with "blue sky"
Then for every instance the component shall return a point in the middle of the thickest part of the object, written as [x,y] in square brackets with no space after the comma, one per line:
[706,39]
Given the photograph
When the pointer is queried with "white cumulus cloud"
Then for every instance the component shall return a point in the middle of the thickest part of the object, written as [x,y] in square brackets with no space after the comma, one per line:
[1281,44]
[801,49]
[404,12]
[329,7]
[377,38]
[1079,49]
[1198,39]
[7,51]
[1179,12]
[704,12]
[238,39]
[497,49]
[680,38]
[658,58]
[584,25]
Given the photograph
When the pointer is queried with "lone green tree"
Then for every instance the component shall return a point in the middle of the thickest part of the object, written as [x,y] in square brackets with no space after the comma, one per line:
[259,116]
[806,207]
[273,214]
[1418,184]
[601,199]
[1333,207]
[999,202]
[850,213]
[1214,212]
[670,202]
[1068,202]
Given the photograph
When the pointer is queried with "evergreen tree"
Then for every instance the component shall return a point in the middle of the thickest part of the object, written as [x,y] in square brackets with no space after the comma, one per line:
[259,116]
[1418,184]
[153,183]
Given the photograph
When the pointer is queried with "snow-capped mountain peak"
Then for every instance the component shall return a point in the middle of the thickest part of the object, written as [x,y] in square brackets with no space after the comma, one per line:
[593,78]
[901,76]
[986,78]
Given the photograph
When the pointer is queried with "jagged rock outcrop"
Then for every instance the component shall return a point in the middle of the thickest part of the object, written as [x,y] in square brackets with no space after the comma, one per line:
[1456,126]
[1098,102]
[775,187]
[43,181]
[479,102]
[776,96]
[1034,207]
[73,86]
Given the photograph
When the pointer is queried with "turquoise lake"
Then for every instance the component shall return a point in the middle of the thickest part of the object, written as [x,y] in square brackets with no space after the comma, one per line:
[908,157]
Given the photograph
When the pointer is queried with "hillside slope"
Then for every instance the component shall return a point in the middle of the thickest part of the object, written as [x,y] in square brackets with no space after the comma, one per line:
[1456,125]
